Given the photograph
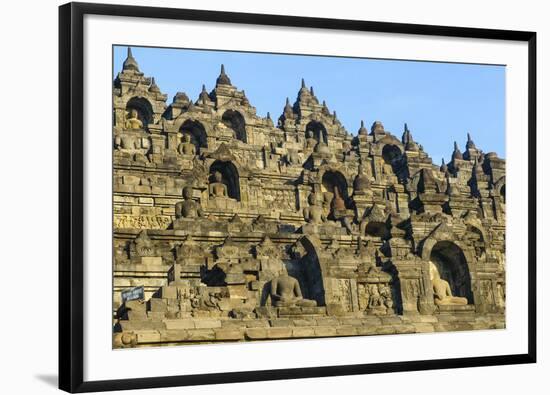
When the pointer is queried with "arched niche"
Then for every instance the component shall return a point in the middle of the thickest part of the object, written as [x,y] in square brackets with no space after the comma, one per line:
[390,152]
[230,177]
[318,131]
[500,188]
[453,268]
[235,121]
[334,179]
[308,270]
[143,108]
[196,131]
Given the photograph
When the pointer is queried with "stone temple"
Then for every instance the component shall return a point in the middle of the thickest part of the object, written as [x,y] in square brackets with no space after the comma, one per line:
[240,228]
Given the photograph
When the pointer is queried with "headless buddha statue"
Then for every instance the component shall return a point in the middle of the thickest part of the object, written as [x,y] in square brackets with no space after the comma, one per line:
[187,147]
[132,120]
[314,213]
[188,208]
[442,290]
[311,142]
[285,292]
[361,184]
[218,188]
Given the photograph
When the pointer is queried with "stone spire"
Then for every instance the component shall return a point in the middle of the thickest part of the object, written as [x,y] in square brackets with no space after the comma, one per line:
[478,168]
[154,87]
[130,63]
[443,168]
[223,79]
[325,109]
[456,153]
[470,143]
[407,139]
[287,104]
[303,84]
[362,130]
[245,101]
[288,112]
[406,134]
[288,108]
[204,97]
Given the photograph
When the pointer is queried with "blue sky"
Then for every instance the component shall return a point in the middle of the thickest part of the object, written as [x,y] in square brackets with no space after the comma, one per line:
[440,102]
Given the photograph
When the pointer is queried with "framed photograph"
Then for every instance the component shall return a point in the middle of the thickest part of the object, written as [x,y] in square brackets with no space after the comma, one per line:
[251,197]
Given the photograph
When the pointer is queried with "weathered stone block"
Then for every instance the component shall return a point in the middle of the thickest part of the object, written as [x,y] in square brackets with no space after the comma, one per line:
[151,260]
[303,332]
[173,335]
[145,189]
[385,330]
[279,333]
[281,322]
[346,330]
[130,180]
[207,323]
[304,322]
[229,334]
[137,315]
[147,336]
[146,201]
[179,324]
[421,327]
[324,331]
[201,335]
[256,333]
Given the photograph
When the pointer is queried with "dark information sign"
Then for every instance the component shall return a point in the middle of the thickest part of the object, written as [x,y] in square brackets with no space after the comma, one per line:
[135,293]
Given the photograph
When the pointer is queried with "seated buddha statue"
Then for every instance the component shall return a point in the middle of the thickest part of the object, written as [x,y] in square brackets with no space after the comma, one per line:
[188,208]
[361,184]
[133,121]
[442,290]
[314,214]
[218,188]
[285,292]
[311,142]
[186,147]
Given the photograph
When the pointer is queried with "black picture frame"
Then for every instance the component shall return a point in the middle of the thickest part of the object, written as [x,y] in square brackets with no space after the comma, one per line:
[71,197]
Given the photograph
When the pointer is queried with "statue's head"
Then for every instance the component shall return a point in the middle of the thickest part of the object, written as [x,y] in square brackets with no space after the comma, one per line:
[218,176]
[188,192]
[312,199]
[362,168]
[133,113]
[309,134]
[186,138]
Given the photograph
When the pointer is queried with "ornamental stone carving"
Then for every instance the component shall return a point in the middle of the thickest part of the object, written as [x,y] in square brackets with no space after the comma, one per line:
[238,229]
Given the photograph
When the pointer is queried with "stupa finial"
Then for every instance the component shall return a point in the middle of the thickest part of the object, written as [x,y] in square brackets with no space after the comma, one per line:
[223,79]
[130,63]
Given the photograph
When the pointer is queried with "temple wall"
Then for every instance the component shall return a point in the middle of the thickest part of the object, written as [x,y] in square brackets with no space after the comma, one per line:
[240,228]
